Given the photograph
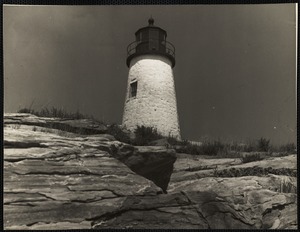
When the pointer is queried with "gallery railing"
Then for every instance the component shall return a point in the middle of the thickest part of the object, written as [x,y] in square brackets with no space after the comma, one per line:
[151,46]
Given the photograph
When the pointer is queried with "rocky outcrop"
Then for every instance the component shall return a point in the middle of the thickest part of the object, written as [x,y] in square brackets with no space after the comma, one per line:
[262,201]
[182,210]
[56,179]
[81,126]
[50,173]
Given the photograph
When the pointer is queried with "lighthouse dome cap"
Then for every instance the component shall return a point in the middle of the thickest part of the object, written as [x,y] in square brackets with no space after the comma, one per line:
[151,21]
[151,25]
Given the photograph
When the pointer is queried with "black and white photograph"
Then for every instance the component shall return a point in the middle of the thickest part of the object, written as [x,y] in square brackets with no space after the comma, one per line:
[150,116]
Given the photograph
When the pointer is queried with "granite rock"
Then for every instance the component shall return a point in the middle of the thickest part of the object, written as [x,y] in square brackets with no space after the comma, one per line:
[59,179]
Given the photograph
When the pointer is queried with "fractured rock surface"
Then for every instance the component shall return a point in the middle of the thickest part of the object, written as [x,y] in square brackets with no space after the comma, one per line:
[268,201]
[64,181]
[56,179]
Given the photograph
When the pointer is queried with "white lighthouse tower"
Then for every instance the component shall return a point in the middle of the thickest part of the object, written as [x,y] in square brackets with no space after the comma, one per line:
[151,99]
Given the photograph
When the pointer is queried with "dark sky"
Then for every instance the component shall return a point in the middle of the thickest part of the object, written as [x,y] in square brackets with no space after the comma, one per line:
[235,72]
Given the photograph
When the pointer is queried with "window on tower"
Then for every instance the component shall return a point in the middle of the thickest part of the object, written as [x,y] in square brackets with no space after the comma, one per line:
[133,89]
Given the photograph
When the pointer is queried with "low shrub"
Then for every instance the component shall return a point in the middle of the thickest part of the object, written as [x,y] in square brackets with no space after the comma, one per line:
[288,148]
[230,154]
[118,133]
[175,142]
[189,149]
[260,145]
[144,135]
[251,158]
[254,171]
[249,147]
[207,148]
[26,111]
[263,144]
[212,148]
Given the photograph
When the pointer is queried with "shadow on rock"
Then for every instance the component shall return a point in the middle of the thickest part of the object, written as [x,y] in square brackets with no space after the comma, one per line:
[152,162]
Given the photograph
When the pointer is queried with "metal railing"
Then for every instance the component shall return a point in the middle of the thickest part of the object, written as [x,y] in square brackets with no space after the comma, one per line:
[151,46]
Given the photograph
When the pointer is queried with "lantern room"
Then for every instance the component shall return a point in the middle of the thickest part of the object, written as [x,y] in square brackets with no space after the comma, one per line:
[151,40]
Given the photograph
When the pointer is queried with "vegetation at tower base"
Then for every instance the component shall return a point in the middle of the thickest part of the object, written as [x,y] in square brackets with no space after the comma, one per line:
[144,136]
[58,179]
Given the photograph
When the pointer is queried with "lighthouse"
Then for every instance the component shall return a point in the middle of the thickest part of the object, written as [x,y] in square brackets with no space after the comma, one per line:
[151,99]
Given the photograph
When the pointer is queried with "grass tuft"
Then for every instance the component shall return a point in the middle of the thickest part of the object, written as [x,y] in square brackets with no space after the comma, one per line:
[145,135]
[263,144]
[55,113]
[288,148]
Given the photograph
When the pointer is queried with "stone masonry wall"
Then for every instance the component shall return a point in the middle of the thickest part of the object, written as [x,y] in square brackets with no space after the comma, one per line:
[155,103]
